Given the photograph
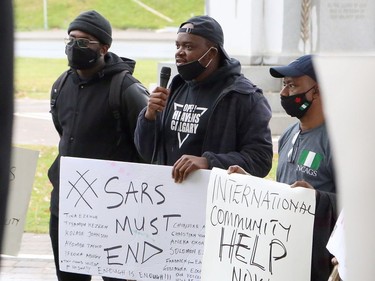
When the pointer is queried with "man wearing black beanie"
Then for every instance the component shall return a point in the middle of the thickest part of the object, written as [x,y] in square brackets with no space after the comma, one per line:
[95,24]
[88,123]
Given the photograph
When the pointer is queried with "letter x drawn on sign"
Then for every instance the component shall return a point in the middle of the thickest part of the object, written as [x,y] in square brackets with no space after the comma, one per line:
[81,186]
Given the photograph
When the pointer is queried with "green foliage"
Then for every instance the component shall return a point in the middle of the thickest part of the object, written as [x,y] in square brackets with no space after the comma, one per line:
[29,15]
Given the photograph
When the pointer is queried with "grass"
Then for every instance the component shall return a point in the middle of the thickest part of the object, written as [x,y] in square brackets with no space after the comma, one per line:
[29,15]
[272,174]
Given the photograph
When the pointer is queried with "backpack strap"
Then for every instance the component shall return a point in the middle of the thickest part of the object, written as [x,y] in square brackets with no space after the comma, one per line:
[115,100]
[56,89]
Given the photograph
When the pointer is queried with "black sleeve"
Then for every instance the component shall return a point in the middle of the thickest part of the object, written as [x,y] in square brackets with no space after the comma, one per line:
[134,99]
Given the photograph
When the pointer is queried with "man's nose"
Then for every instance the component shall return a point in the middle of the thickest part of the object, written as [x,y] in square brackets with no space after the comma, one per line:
[284,91]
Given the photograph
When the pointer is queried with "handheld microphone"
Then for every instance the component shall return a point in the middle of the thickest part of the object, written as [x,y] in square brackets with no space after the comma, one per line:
[165,74]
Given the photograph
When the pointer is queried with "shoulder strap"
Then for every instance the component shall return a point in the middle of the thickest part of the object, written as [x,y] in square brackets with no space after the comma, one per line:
[115,91]
[57,88]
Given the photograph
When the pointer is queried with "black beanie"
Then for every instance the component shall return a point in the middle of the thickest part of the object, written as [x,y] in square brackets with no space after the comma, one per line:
[94,24]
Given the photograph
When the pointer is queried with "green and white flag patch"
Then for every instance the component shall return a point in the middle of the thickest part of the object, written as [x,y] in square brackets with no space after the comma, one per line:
[310,159]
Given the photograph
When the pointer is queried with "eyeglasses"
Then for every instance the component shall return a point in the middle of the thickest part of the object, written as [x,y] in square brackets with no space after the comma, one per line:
[81,42]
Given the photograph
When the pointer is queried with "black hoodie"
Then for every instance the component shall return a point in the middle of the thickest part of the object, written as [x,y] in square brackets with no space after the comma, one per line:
[237,129]
[85,121]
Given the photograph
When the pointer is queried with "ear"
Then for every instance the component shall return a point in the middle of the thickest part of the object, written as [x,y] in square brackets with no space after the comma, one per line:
[214,51]
[317,90]
[316,93]
[104,49]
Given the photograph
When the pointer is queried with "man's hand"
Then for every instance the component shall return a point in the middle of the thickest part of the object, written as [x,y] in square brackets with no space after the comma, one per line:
[302,183]
[236,169]
[187,164]
[156,102]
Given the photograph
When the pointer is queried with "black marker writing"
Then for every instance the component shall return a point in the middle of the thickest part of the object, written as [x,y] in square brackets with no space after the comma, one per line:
[12,175]
[244,248]
[260,226]
[114,254]
[132,224]
[228,191]
[138,194]
[87,186]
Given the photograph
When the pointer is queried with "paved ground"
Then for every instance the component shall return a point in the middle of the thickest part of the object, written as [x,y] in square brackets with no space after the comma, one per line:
[33,123]
[168,34]
[134,44]
[33,263]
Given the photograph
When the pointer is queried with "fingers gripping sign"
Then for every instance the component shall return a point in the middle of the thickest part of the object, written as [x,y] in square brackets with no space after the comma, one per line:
[302,183]
[186,165]
[236,169]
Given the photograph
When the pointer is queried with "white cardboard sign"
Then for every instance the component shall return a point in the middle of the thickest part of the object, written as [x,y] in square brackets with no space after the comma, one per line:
[131,221]
[257,229]
[22,173]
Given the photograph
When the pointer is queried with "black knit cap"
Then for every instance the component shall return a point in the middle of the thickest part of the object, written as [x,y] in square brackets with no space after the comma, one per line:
[94,24]
[208,28]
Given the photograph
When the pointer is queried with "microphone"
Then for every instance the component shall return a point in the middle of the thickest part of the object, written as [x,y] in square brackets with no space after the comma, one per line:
[165,74]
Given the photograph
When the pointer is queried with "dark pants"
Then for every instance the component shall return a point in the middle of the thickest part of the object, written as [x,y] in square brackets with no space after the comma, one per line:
[62,275]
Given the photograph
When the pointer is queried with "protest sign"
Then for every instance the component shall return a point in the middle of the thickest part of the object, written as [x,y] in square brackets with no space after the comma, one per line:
[22,173]
[130,221]
[257,229]
[336,245]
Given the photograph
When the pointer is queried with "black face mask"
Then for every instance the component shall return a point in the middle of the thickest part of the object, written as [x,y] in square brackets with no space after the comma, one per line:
[192,70]
[81,58]
[296,105]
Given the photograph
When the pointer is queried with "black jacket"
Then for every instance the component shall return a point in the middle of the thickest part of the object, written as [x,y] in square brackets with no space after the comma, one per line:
[237,130]
[85,121]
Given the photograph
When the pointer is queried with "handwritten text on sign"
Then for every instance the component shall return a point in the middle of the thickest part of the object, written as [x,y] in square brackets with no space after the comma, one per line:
[130,221]
[21,176]
[257,229]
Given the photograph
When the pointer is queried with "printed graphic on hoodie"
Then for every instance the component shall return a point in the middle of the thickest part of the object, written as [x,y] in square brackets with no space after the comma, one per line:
[185,120]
